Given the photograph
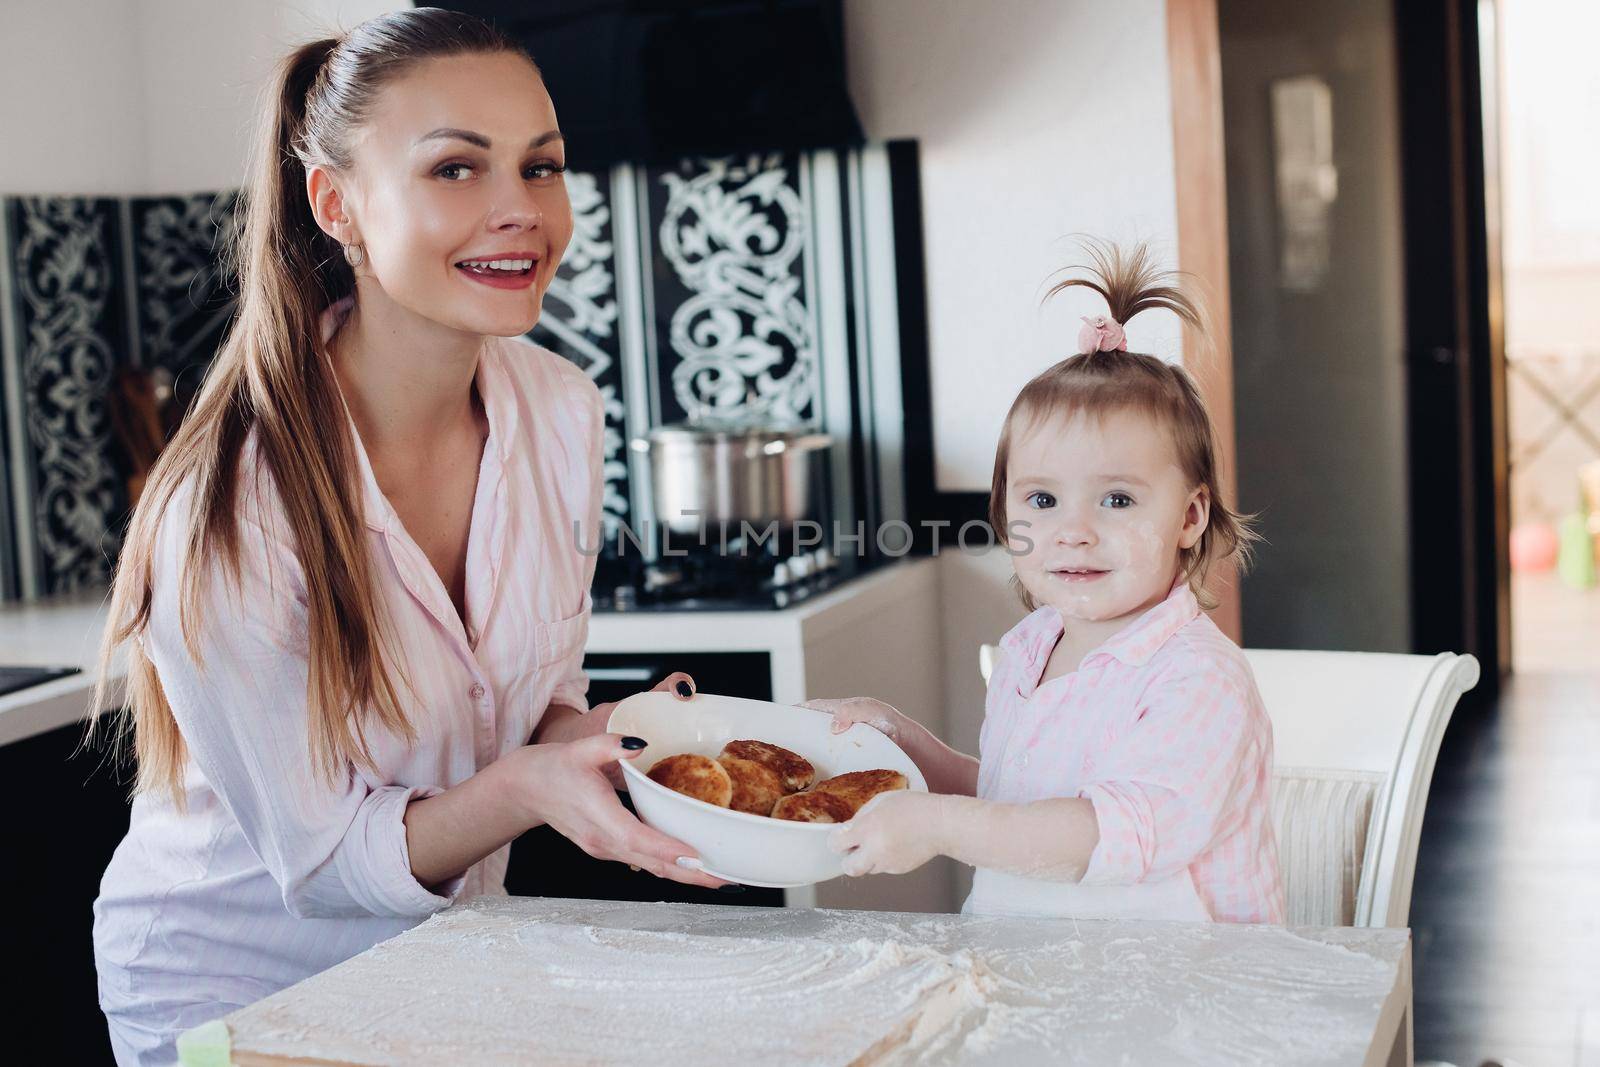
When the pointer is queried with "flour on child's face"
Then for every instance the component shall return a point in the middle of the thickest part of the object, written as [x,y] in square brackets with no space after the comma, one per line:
[1106,509]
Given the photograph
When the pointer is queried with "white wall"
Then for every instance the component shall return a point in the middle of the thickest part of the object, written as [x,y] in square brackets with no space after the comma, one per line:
[1550,154]
[69,81]
[123,98]
[1037,119]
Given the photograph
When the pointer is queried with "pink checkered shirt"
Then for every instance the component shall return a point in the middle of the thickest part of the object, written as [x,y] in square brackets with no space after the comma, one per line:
[1162,730]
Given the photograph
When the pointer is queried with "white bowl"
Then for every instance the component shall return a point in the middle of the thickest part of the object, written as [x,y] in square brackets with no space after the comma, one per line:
[751,849]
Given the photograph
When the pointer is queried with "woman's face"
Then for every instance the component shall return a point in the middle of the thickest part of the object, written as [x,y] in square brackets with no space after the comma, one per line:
[1100,511]
[459,167]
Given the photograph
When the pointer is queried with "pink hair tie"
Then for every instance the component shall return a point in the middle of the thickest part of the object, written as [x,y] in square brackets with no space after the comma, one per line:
[1101,334]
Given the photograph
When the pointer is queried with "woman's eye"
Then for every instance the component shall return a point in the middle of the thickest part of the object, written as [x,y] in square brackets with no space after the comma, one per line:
[1041,500]
[449,170]
[1117,500]
[538,171]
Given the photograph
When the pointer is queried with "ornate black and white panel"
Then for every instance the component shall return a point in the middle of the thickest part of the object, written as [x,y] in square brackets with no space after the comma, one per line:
[749,288]
[68,323]
[184,295]
[579,321]
[733,336]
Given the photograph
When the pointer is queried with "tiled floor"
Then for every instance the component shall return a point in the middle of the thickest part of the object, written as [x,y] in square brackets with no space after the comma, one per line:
[1506,911]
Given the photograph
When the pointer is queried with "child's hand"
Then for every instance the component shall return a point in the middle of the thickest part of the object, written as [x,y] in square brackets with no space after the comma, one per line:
[892,834]
[848,711]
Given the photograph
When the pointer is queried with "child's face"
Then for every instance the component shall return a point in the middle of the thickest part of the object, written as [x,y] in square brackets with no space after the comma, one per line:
[1107,511]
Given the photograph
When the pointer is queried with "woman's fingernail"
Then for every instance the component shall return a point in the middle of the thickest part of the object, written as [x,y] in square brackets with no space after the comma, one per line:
[690,863]
[730,887]
[633,744]
[685,690]
[632,868]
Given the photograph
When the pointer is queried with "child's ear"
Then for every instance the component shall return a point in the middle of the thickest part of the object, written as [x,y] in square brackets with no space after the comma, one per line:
[1196,517]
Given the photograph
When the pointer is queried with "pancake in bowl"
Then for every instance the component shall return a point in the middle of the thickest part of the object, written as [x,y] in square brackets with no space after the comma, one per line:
[812,807]
[700,777]
[756,787]
[794,770]
[857,787]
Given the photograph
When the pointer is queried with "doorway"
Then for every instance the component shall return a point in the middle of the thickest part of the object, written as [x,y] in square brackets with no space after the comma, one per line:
[1542,93]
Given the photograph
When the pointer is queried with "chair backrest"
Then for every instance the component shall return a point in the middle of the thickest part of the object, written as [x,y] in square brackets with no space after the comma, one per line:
[1340,719]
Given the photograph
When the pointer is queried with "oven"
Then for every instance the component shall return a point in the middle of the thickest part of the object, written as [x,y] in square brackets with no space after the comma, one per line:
[545,864]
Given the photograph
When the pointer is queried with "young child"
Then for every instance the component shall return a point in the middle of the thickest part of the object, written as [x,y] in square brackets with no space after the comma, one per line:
[1126,754]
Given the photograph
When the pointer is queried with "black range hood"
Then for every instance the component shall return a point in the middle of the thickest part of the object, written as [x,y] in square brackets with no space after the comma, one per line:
[647,81]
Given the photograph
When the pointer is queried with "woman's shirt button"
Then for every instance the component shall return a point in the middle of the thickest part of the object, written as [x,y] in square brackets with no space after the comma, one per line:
[477,691]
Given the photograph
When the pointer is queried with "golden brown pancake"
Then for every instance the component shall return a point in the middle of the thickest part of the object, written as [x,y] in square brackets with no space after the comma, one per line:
[857,787]
[756,787]
[812,807]
[794,770]
[700,777]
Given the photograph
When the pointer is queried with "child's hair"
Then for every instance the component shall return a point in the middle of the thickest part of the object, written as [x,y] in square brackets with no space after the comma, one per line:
[272,377]
[1107,379]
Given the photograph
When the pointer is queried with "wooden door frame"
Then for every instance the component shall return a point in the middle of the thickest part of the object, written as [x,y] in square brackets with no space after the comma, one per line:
[1194,59]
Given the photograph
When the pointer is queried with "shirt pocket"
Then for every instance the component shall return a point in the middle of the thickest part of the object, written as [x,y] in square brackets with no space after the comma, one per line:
[562,638]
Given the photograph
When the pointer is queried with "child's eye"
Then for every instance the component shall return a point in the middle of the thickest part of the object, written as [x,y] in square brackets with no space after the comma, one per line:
[1041,500]
[1117,500]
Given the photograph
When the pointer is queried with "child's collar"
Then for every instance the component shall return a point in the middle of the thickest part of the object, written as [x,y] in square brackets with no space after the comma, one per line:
[1133,645]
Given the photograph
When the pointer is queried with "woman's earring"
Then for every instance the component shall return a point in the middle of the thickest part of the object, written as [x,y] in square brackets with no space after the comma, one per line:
[355,255]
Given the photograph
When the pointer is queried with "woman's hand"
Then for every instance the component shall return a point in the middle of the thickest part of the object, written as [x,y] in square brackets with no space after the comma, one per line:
[568,777]
[892,833]
[564,784]
[568,724]
[848,711]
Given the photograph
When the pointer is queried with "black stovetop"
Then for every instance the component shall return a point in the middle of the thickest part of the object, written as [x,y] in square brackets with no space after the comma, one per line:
[706,582]
[15,678]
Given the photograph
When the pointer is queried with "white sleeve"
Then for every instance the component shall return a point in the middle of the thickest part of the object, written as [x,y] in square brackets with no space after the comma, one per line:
[334,850]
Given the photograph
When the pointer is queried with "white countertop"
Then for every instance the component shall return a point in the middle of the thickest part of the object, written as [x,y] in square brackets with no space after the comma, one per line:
[61,632]
[486,982]
[66,631]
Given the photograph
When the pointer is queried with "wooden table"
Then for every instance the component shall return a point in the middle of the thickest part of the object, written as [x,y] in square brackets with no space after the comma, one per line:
[485,983]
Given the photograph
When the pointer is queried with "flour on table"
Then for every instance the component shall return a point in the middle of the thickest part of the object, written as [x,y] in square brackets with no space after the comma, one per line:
[524,980]
[588,995]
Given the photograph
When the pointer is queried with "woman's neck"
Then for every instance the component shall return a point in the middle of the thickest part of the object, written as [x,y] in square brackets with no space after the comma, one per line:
[407,380]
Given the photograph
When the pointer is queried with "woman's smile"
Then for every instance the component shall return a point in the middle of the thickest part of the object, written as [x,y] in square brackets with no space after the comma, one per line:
[507,270]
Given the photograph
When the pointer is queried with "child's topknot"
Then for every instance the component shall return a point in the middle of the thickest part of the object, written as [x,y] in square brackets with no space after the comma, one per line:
[1130,281]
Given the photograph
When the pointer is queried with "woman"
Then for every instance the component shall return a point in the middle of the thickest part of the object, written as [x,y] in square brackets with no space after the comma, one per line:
[353,589]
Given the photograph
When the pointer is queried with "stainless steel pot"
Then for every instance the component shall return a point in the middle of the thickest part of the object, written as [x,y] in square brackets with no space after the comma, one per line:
[706,473]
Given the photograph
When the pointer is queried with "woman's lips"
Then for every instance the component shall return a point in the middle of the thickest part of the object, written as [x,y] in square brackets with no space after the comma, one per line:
[500,279]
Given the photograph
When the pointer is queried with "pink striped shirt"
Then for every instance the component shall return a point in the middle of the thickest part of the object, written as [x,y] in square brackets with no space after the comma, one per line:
[270,875]
[1162,730]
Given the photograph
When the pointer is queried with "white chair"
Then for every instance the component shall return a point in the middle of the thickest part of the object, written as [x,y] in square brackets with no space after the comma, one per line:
[1355,736]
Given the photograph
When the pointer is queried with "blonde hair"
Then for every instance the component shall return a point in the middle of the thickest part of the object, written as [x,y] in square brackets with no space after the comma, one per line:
[1099,383]
[273,378]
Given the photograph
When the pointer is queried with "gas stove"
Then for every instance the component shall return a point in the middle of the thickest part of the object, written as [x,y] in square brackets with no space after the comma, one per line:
[708,580]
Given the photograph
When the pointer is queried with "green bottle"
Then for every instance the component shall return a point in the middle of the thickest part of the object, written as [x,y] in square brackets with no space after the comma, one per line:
[1575,558]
